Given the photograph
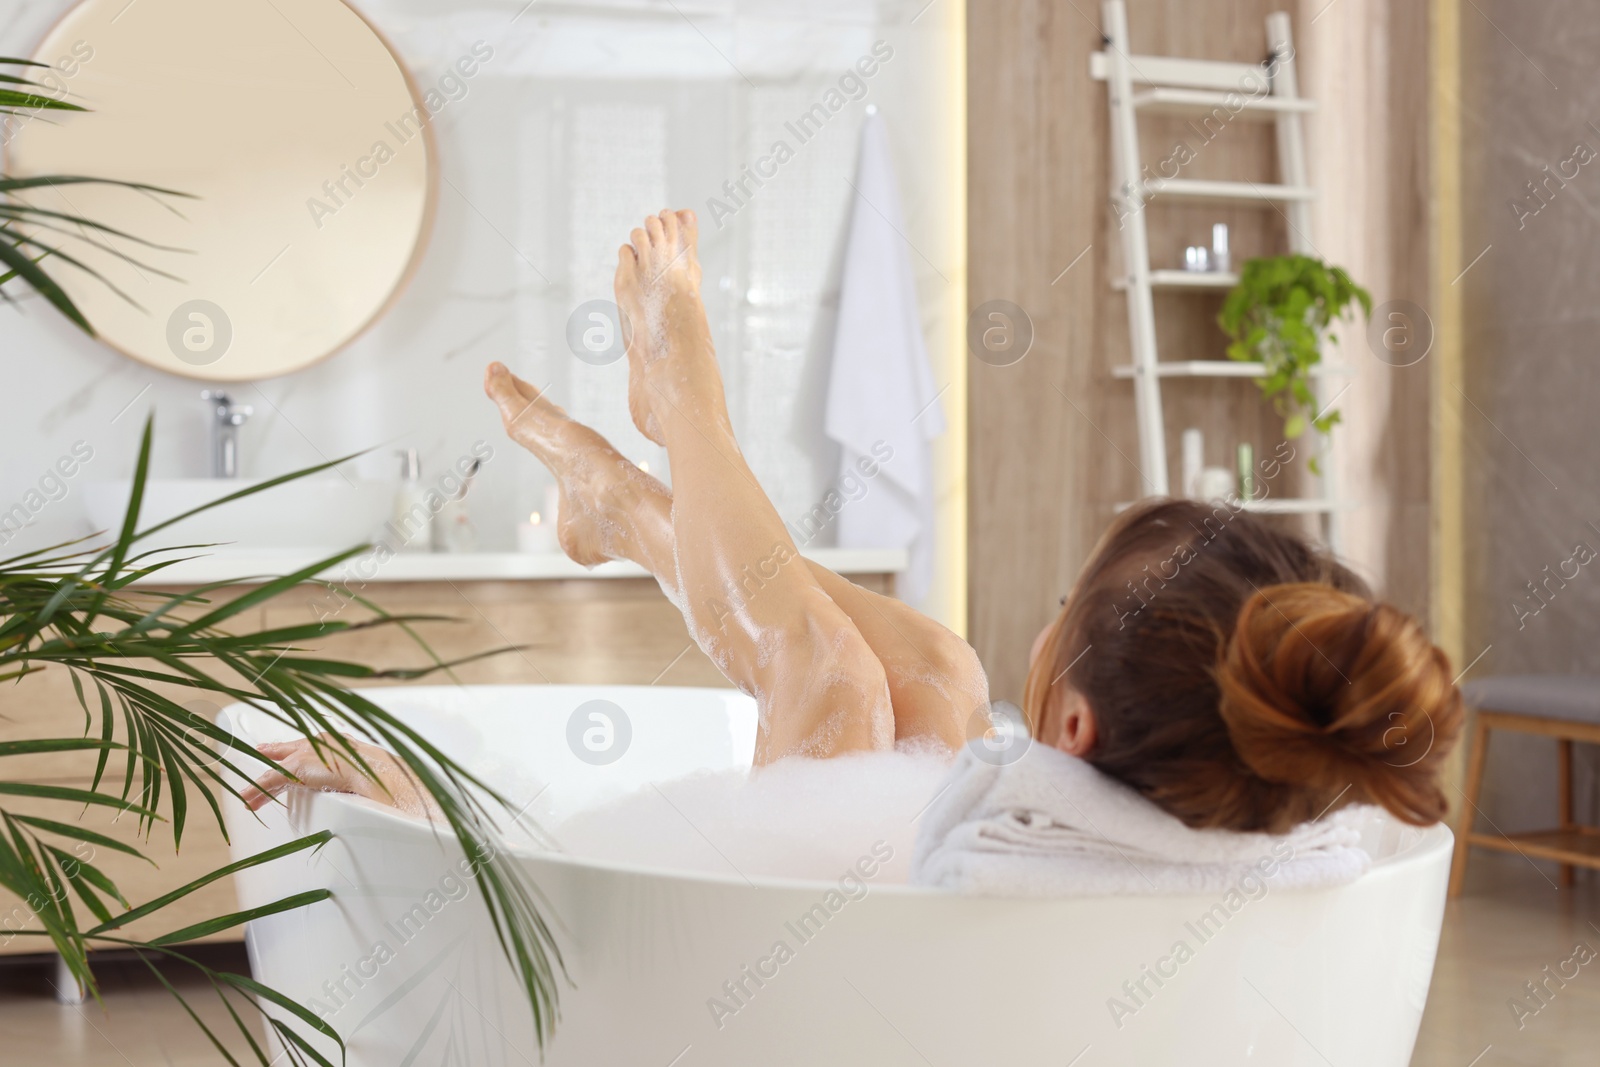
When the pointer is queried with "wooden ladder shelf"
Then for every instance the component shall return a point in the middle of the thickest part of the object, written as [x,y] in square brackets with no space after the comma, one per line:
[1166,85]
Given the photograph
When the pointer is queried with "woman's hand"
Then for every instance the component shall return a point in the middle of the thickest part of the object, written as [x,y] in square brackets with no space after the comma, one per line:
[394,784]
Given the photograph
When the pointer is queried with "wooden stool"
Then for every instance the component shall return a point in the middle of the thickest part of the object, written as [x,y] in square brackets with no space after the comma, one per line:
[1561,706]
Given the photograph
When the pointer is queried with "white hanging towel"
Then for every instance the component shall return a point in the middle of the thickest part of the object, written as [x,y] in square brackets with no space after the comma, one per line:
[881,396]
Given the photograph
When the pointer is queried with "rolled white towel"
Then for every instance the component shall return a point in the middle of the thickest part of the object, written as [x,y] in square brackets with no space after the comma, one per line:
[1049,824]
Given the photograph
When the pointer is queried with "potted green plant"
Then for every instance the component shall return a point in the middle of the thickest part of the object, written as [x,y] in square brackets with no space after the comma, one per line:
[81,610]
[84,611]
[1279,316]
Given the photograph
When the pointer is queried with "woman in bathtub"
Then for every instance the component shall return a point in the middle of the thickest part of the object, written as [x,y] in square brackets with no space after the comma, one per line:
[1232,674]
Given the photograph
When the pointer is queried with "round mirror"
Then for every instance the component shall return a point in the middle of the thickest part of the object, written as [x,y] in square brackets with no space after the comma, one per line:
[304,153]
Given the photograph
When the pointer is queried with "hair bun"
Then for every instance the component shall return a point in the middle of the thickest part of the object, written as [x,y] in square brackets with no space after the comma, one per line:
[1339,694]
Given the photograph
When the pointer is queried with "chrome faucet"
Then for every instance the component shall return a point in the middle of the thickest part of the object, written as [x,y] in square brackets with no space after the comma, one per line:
[226,419]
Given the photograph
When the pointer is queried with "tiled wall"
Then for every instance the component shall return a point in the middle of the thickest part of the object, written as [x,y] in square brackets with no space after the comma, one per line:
[587,117]
[1533,368]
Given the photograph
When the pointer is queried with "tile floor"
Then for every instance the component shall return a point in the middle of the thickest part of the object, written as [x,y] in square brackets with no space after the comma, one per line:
[1505,929]
[1512,923]
[141,1024]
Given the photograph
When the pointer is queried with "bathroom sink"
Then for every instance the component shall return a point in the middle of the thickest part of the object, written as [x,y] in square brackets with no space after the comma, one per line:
[317,513]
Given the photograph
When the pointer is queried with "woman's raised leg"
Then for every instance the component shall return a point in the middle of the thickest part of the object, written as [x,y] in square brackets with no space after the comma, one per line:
[750,600]
[936,684]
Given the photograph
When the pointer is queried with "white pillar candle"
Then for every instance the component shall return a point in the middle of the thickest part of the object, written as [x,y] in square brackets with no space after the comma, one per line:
[537,535]
[551,512]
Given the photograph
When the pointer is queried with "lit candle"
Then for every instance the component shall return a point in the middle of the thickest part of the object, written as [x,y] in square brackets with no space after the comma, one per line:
[552,506]
[537,535]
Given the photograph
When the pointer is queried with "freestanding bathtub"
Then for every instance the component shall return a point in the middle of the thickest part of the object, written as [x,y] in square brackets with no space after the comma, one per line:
[403,963]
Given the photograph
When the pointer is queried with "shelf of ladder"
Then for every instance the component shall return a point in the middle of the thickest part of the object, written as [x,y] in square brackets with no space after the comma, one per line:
[1212,75]
[1138,85]
[1185,279]
[1205,189]
[1221,368]
[1167,100]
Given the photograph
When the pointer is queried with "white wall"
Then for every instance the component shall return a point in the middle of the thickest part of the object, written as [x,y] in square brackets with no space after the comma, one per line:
[587,117]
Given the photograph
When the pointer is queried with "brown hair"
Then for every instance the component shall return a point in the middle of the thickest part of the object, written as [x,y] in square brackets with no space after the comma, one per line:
[1241,678]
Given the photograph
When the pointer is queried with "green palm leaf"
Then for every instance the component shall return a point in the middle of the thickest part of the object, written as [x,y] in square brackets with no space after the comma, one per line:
[21,250]
[74,608]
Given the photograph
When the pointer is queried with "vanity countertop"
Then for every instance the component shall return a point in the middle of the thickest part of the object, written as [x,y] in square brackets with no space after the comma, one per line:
[254,567]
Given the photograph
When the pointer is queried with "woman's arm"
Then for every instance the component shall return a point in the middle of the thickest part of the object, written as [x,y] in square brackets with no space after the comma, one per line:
[394,784]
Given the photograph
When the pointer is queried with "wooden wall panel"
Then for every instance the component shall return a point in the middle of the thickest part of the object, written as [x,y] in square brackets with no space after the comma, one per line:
[1053,447]
[1411,198]
[1036,183]
[1053,444]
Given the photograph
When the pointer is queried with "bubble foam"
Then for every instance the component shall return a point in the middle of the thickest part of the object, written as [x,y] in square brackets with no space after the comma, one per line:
[796,818]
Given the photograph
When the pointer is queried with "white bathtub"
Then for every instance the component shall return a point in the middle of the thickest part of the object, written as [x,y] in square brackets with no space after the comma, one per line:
[901,976]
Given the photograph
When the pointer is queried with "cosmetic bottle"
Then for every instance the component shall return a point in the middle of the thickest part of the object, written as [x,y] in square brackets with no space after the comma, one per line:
[1247,471]
[537,536]
[1221,256]
[1216,483]
[453,530]
[411,526]
[1193,460]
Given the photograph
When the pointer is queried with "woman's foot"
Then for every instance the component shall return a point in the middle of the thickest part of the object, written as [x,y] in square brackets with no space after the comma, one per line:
[637,334]
[595,481]
[664,321]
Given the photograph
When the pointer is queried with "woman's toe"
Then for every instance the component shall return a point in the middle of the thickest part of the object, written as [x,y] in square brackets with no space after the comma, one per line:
[497,382]
[507,397]
[525,389]
[626,282]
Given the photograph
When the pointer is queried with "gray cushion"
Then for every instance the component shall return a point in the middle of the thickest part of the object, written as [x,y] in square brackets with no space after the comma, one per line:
[1573,697]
